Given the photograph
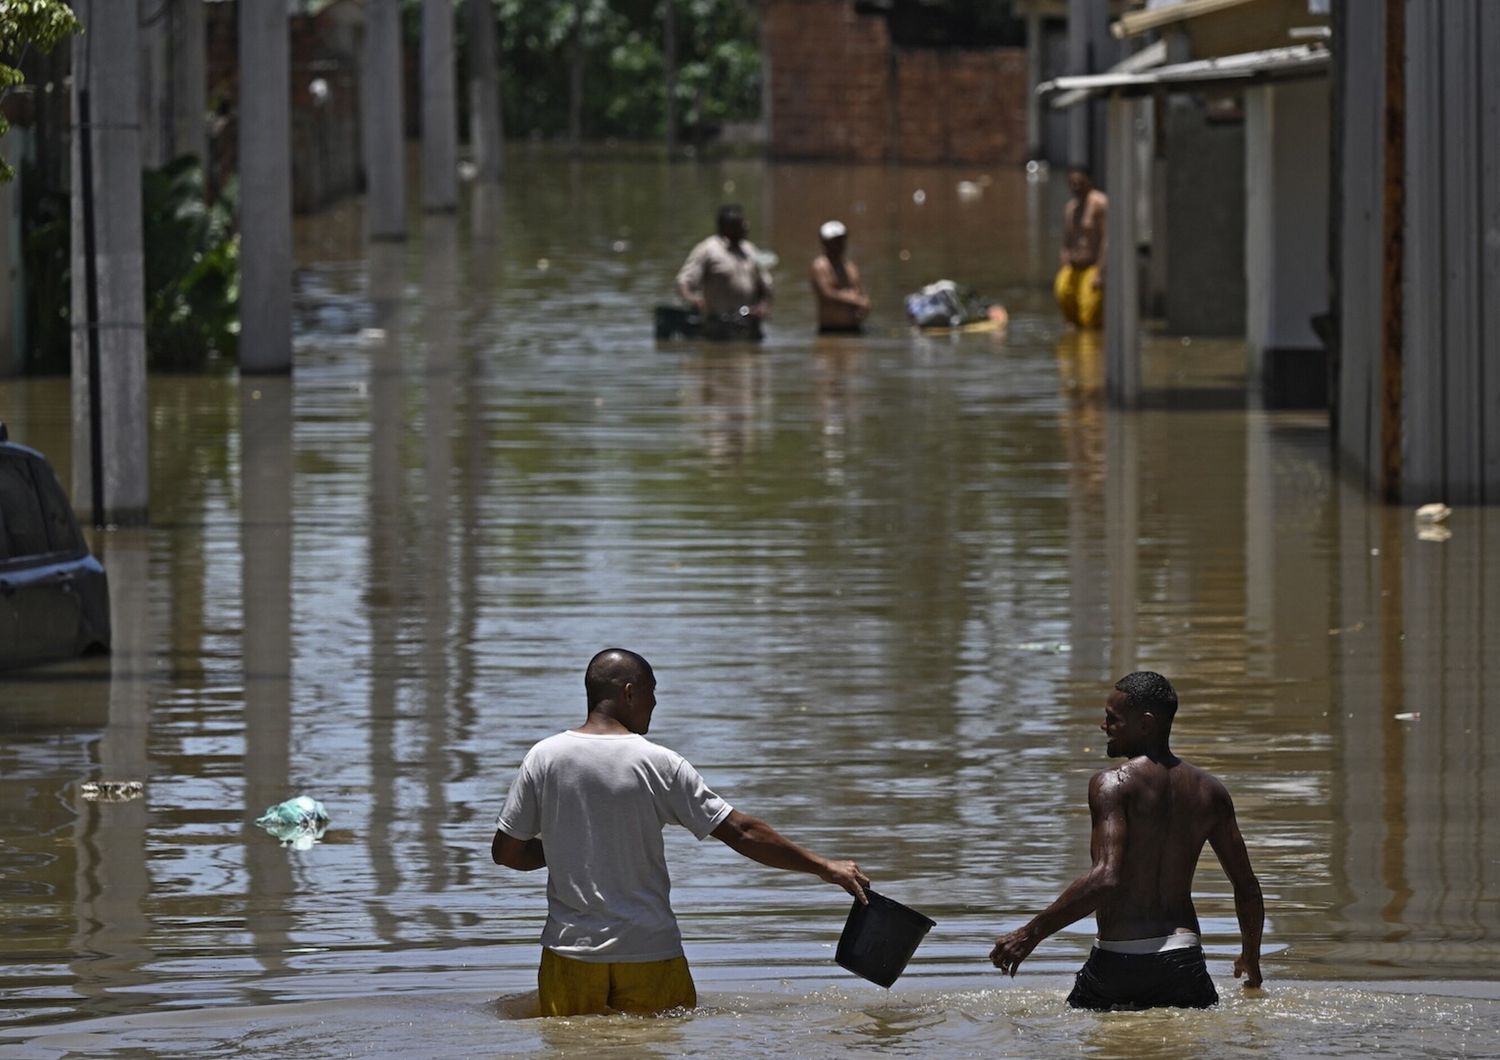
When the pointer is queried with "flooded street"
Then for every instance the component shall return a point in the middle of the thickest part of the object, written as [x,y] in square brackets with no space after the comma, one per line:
[886,583]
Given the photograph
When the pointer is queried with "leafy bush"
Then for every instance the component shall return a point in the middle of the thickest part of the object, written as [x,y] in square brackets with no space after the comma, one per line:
[192,269]
[192,281]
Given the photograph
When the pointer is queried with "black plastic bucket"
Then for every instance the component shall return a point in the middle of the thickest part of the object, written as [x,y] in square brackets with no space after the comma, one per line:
[880,938]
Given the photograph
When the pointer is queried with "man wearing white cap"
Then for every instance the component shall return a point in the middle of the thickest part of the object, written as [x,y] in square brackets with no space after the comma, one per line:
[841,298]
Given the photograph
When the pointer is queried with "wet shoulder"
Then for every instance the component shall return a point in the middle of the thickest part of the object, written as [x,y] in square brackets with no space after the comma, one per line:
[1200,785]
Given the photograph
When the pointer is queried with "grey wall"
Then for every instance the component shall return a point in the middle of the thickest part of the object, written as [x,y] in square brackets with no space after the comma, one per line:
[1205,224]
[1361,87]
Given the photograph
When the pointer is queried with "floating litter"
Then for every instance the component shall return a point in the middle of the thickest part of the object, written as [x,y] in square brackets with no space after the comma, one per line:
[1411,715]
[298,823]
[112,790]
[1433,513]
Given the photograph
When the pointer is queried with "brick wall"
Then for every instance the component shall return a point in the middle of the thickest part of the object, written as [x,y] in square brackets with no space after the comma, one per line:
[840,90]
[830,80]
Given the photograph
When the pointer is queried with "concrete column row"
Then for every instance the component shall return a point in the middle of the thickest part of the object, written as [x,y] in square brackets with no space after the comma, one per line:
[140,98]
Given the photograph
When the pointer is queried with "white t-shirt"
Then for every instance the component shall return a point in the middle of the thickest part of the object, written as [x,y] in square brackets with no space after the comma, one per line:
[599,803]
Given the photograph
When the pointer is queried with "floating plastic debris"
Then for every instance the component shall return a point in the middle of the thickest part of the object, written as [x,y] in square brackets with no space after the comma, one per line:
[969,191]
[298,823]
[543,264]
[1411,715]
[112,790]
[1433,513]
[1433,532]
[919,196]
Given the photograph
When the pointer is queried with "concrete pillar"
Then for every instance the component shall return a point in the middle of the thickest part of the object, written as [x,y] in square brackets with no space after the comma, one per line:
[1122,332]
[486,130]
[154,82]
[1091,49]
[380,95]
[189,51]
[1033,78]
[110,455]
[439,110]
[12,276]
[265,190]
[173,88]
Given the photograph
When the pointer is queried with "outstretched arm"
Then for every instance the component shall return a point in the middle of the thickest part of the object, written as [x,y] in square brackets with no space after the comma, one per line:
[1083,895]
[1249,906]
[758,841]
[523,855]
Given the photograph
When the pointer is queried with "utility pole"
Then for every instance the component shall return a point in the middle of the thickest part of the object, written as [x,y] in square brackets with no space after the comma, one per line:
[439,109]
[486,130]
[110,450]
[384,131]
[265,189]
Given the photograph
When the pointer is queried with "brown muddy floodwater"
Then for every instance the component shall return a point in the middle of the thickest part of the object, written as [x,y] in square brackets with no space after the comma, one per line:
[886,583]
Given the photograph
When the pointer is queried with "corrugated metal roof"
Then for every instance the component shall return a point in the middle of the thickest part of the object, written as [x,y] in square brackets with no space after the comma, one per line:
[1300,60]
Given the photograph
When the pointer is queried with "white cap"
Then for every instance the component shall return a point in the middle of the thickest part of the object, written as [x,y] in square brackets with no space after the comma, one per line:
[832,230]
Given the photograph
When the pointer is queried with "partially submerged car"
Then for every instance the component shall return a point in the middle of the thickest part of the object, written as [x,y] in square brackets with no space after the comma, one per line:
[54,595]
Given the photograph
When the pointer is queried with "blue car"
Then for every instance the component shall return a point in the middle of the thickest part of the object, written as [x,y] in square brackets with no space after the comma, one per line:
[54,596]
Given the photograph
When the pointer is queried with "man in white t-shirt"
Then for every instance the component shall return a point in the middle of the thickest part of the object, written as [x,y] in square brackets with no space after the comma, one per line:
[598,797]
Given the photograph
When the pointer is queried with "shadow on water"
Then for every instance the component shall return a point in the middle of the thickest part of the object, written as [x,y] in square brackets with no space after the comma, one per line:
[885,580]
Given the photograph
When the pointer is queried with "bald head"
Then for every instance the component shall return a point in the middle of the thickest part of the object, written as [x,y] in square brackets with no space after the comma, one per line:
[611,670]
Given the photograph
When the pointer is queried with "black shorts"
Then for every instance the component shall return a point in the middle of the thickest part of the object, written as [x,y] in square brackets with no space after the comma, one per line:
[1171,979]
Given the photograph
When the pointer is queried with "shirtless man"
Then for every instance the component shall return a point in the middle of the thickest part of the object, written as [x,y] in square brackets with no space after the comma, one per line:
[1151,818]
[842,302]
[724,280]
[1079,286]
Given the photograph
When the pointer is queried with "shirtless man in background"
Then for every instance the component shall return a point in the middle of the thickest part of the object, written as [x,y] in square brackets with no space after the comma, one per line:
[1079,286]
[841,298]
[1151,817]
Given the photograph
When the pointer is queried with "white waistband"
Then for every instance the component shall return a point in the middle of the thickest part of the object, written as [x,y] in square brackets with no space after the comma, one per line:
[1180,940]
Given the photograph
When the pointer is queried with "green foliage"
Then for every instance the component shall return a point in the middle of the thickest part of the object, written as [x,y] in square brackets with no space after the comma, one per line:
[192,269]
[26,24]
[718,57]
[192,274]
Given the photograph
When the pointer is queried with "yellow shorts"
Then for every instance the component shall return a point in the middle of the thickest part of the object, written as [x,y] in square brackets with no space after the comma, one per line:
[568,987]
[1081,302]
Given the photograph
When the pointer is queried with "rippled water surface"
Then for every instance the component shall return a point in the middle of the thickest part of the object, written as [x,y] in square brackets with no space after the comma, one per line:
[885,581]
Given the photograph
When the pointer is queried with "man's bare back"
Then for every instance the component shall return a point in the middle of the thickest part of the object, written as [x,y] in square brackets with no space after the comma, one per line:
[1151,817]
[1171,809]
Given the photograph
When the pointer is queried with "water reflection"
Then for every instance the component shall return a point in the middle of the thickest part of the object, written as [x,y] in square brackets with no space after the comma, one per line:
[886,582]
[113,941]
[266,547]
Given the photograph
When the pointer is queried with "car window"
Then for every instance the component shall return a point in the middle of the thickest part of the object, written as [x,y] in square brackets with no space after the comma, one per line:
[25,525]
[62,529]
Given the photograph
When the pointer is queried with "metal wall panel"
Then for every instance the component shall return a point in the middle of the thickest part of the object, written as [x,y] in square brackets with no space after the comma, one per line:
[1423,438]
[1363,97]
[1489,227]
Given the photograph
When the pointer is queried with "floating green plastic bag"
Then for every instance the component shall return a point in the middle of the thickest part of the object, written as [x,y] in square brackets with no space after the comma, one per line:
[298,823]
